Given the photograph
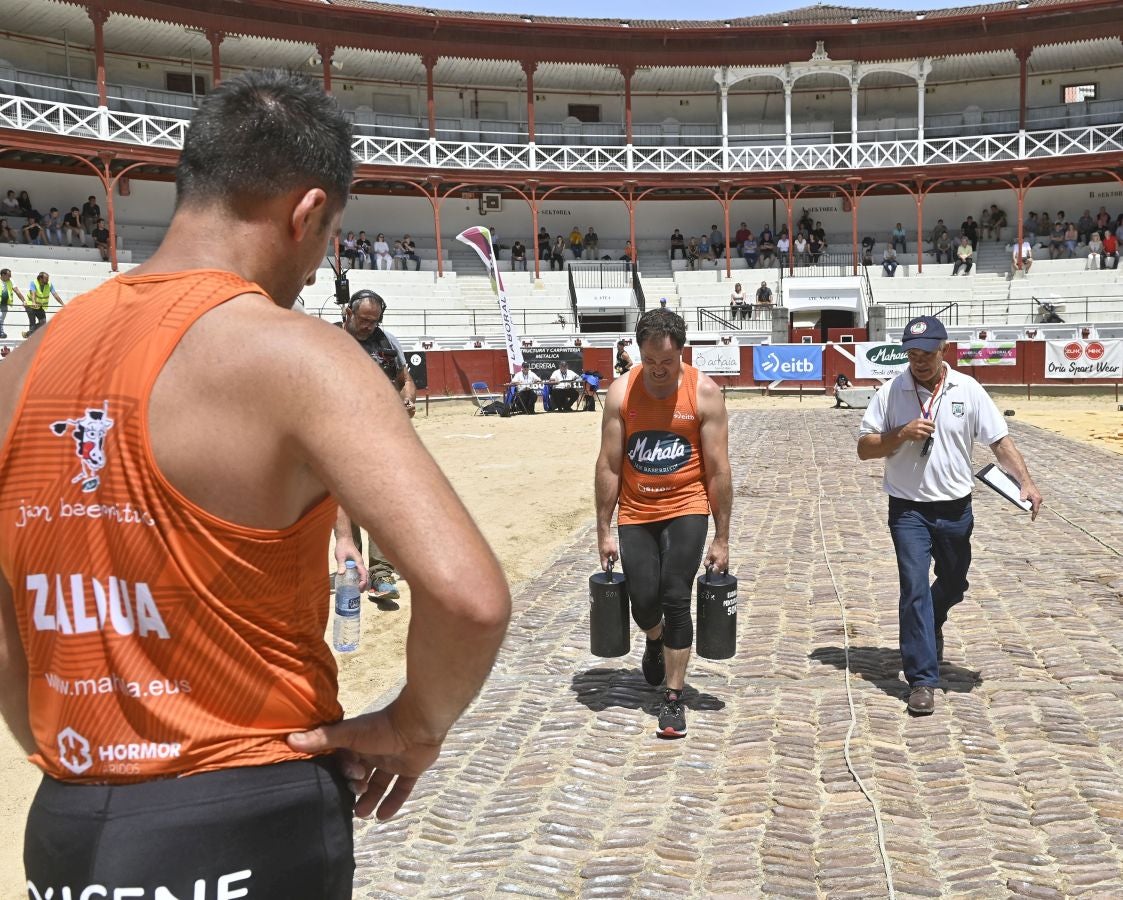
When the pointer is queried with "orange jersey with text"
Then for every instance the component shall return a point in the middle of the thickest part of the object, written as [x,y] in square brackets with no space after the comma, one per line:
[663,472]
[160,639]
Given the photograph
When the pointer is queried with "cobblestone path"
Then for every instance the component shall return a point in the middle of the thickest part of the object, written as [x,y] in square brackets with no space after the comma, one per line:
[553,784]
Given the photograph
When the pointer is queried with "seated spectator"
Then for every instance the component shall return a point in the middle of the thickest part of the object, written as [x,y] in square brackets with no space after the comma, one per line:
[24,201]
[940,228]
[100,236]
[898,238]
[72,227]
[783,247]
[704,247]
[629,255]
[1111,251]
[819,232]
[365,249]
[841,383]
[576,242]
[815,248]
[1103,219]
[750,250]
[1095,250]
[692,252]
[1030,228]
[1057,239]
[678,242]
[717,242]
[557,254]
[971,228]
[889,261]
[382,256]
[1023,256]
[964,256]
[1085,226]
[398,254]
[349,249]
[8,294]
[737,304]
[6,233]
[527,383]
[33,232]
[997,222]
[564,395]
[410,249]
[91,212]
[10,205]
[767,248]
[763,297]
[805,224]
[943,248]
[1044,226]
[52,227]
[590,242]
[543,243]
[800,249]
[984,222]
[1071,237]
[868,243]
[740,236]
[518,257]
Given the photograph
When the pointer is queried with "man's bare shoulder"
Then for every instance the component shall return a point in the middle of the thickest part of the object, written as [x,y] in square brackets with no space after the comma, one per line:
[710,397]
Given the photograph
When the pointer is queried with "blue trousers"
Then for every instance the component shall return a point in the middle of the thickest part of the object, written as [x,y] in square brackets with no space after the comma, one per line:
[923,532]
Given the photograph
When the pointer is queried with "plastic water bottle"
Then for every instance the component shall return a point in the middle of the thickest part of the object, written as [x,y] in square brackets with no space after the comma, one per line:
[348,609]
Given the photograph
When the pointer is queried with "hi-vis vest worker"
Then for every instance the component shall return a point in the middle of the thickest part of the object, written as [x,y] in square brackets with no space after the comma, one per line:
[198,645]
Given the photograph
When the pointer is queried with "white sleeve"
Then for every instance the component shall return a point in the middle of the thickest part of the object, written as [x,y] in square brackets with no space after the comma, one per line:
[990,425]
[875,420]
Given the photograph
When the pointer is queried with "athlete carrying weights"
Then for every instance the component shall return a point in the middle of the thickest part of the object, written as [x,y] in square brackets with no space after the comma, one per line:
[664,458]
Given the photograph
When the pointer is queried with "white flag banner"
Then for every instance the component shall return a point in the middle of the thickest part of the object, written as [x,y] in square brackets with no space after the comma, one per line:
[879,360]
[479,239]
[1084,359]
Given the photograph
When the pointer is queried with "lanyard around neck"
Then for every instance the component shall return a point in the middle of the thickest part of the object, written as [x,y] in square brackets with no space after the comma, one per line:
[926,411]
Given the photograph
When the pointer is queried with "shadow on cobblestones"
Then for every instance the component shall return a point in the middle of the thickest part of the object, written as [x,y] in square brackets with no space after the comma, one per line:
[600,689]
[880,666]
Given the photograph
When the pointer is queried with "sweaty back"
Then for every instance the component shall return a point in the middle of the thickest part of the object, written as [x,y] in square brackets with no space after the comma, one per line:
[160,639]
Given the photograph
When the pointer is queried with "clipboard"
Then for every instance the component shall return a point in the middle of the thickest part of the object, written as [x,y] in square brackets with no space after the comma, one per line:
[1006,485]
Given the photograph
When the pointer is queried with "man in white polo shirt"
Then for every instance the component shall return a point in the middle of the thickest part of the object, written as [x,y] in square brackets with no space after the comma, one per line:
[923,423]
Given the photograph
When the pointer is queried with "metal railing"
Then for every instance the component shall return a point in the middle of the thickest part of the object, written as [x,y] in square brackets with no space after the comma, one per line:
[823,265]
[755,318]
[460,323]
[1014,311]
[143,129]
[601,274]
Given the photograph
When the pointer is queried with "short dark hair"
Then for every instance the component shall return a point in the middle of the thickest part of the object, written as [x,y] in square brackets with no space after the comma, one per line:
[658,323]
[260,135]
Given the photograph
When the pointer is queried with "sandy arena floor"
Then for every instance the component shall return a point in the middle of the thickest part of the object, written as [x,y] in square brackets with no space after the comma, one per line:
[528,481]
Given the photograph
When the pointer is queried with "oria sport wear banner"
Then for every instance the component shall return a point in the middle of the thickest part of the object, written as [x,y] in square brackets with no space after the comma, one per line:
[1084,359]
[479,239]
[788,362]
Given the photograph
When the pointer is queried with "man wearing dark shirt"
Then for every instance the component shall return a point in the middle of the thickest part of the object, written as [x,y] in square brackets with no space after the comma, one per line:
[678,242]
[101,239]
[91,212]
[72,227]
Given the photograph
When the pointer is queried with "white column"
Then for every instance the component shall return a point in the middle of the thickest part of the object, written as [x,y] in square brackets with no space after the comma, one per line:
[724,116]
[920,82]
[788,125]
[854,124]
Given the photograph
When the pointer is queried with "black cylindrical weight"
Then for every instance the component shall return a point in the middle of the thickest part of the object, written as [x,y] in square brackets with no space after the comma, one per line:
[717,615]
[609,627]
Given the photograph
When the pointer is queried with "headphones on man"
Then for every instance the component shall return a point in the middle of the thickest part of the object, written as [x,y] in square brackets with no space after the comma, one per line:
[361,297]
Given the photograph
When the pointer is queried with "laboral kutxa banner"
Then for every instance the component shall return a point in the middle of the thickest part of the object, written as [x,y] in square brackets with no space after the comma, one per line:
[878,360]
[1084,359]
[987,353]
[788,362]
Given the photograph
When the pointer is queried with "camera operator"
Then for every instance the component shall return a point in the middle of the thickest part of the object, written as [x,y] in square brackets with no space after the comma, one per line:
[362,319]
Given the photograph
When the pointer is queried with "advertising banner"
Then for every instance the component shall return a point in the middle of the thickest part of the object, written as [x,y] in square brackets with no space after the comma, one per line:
[479,239]
[723,359]
[788,362]
[987,353]
[544,360]
[874,360]
[1084,359]
[418,368]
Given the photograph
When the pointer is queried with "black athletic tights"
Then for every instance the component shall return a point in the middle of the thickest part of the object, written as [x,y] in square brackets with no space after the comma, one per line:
[660,560]
[273,832]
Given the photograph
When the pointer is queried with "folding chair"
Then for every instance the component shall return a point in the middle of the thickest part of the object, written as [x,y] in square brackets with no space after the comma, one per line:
[591,382]
[484,397]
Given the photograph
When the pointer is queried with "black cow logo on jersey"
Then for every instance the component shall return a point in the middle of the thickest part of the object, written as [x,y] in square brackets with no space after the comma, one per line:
[658,452]
[89,439]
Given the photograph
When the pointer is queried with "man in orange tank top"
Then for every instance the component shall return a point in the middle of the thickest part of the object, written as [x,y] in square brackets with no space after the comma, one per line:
[177,442]
[664,460]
